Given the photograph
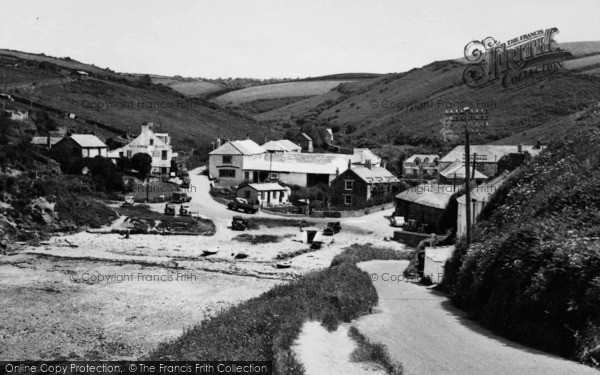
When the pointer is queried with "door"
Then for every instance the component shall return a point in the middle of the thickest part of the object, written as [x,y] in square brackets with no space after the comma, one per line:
[268,197]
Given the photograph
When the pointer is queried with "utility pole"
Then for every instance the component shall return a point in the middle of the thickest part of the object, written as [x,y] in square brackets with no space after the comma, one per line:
[465,118]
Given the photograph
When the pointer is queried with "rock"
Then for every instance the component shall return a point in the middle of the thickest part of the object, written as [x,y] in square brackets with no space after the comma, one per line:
[41,211]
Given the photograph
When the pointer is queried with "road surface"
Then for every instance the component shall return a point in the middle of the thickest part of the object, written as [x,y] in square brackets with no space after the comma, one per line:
[429,336]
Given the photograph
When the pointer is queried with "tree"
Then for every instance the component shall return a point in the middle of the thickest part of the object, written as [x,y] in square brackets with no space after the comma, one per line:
[142,163]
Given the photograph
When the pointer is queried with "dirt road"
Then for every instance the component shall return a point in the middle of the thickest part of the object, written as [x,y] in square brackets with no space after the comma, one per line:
[423,331]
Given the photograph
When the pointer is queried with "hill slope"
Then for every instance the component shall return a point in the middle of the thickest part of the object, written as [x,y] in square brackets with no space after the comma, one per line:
[410,106]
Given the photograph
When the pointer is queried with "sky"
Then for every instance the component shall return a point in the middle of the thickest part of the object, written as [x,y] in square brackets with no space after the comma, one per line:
[278,39]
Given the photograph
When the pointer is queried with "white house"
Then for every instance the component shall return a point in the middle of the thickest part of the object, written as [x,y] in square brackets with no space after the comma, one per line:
[282,145]
[268,194]
[227,161]
[157,145]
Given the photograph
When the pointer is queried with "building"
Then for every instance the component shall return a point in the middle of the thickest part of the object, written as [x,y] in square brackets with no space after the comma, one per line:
[281,146]
[16,115]
[45,141]
[487,157]
[425,204]
[227,161]
[435,262]
[294,168]
[421,166]
[480,196]
[357,185]
[362,156]
[81,145]
[304,141]
[157,145]
[269,194]
[455,174]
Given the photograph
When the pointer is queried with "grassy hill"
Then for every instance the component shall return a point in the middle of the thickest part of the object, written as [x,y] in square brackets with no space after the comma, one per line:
[124,102]
[410,106]
[532,272]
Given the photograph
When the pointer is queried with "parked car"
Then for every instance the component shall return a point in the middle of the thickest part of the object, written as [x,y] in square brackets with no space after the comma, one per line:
[128,201]
[181,197]
[239,223]
[186,183]
[412,225]
[242,204]
[185,210]
[335,225]
[169,209]
[328,231]
[397,221]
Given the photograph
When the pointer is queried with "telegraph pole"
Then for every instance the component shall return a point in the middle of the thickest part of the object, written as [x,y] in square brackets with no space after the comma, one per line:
[465,118]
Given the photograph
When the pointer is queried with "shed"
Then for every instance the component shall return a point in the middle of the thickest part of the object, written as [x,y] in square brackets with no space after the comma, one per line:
[271,194]
[435,261]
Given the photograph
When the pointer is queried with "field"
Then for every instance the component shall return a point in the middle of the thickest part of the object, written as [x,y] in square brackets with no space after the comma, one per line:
[188,87]
[278,90]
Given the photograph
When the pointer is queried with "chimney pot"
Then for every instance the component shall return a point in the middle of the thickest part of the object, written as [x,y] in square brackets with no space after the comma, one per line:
[520,148]
[349,163]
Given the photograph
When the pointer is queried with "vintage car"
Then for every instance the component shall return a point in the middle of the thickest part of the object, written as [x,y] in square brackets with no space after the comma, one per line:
[180,197]
[128,202]
[242,204]
[185,184]
[397,221]
[239,223]
[169,209]
[412,225]
[185,210]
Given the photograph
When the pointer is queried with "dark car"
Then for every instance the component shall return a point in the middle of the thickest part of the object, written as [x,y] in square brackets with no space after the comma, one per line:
[186,183]
[335,226]
[180,197]
[169,209]
[239,223]
[243,204]
[328,231]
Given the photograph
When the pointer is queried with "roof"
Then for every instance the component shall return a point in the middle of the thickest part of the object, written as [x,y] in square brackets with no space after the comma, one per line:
[439,254]
[457,170]
[374,175]
[421,157]
[282,145]
[436,196]
[361,155]
[483,192]
[43,141]
[492,152]
[304,136]
[294,162]
[266,186]
[88,140]
[245,147]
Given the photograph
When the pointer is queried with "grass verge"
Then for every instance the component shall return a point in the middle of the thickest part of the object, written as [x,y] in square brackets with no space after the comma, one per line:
[144,220]
[257,222]
[256,239]
[373,352]
[265,328]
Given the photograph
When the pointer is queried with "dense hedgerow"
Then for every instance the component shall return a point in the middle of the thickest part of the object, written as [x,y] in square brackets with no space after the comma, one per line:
[265,328]
[532,272]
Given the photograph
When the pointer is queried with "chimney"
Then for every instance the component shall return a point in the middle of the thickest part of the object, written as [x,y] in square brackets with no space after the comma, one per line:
[383,163]
[538,144]
[247,135]
[48,141]
[337,172]
[349,163]
[218,142]
[520,148]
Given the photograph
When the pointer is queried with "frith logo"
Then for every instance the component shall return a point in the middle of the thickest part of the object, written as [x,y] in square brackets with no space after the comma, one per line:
[531,55]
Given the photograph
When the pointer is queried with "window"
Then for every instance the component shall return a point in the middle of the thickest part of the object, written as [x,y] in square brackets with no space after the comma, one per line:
[164,155]
[129,154]
[349,184]
[247,193]
[121,154]
[226,159]
[347,199]
[247,176]
[417,161]
[151,141]
[274,176]
[227,173]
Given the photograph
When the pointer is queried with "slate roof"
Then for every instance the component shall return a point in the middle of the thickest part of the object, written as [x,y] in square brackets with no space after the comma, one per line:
[88,141]
[375,175]
[245,147]
[483,192]
[43,141]
[282,145]
[436,196]
[298,163]
[457,168]
[421,157]
[267,186]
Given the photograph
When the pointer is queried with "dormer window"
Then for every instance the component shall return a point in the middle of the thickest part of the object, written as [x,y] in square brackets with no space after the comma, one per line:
[417,161]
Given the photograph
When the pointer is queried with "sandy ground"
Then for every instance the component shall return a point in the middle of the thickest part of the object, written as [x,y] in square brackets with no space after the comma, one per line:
[101,296]
[424,332]
[324,352]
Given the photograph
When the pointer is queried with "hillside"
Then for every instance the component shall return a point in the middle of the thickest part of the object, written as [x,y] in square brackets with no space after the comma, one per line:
[532,272]
[410,106]
[122,102]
